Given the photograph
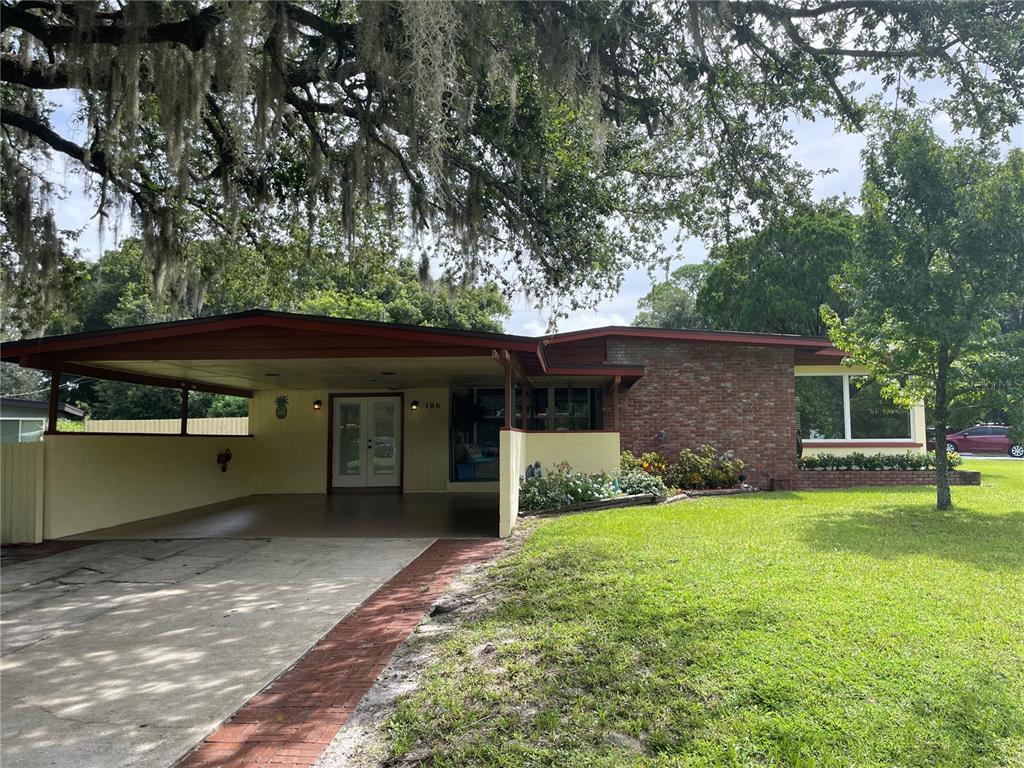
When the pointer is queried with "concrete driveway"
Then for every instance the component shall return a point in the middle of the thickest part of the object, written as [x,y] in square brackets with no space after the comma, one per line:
[129,652]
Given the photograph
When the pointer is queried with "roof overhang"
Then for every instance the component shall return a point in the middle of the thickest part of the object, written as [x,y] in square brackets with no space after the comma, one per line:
[233,354]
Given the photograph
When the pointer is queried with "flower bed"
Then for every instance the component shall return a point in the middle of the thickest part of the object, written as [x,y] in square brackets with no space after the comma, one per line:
[562,489]
[700,470]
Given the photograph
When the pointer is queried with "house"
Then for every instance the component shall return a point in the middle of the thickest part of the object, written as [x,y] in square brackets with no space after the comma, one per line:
[361,418]
[24,421]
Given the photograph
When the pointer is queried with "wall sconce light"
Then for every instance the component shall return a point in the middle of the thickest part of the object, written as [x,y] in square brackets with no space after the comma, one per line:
[414,405]
[317,405]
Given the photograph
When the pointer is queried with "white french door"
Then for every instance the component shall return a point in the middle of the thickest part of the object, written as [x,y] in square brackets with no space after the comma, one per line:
[367,442]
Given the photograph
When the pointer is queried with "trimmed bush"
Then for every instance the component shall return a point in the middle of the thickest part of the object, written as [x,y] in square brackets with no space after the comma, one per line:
[703,469]
[637,481]
[561,488]
[909,461]
[652,462]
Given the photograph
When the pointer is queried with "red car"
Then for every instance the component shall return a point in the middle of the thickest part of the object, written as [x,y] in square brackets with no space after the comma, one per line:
[985,438]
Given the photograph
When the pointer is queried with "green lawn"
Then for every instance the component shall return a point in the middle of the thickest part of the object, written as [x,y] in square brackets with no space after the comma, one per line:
[851,628]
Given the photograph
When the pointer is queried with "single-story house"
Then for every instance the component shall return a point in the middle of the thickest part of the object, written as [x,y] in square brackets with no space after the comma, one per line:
[24,421]
[347,410]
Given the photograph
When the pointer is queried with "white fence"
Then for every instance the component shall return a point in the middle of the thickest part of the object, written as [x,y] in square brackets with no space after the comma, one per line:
[228,425]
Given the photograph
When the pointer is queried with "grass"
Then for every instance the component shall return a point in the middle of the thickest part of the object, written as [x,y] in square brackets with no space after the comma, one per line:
[846,628]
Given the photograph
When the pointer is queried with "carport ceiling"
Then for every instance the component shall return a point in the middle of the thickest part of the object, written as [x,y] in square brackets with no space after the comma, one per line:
[333,374]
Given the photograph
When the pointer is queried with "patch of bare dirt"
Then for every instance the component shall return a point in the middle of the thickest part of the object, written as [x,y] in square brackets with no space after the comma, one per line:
[361,743]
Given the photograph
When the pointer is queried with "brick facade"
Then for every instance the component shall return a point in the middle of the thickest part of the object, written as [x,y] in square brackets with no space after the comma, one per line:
[805,479]
[732,397]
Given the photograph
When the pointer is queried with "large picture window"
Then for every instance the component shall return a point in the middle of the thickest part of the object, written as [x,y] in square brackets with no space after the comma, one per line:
[848,407]
[479,414]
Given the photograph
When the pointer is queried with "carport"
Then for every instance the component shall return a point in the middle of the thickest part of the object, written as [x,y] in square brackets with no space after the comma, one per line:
[339,515]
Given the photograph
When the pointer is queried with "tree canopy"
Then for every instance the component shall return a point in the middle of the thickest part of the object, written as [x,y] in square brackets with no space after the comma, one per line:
[776,280]
[540,144]
[938,269]
[773,281]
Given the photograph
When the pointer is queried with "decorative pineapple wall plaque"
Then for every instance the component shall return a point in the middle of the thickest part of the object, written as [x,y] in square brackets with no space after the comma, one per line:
[282,406]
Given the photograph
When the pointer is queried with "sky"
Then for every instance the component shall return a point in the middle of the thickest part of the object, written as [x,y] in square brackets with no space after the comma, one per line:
[832,154]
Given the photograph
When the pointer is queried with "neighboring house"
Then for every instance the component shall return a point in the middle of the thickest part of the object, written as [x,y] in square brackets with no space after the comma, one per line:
[24,421]
[343,406]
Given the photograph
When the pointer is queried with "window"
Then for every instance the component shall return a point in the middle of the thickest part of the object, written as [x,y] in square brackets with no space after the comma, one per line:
[477,416]
[848,408]
[872,416]
[21,430]
[820,405]
[559,409]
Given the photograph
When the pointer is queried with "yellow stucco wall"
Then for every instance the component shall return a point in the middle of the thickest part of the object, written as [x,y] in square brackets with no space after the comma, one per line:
[292,452]
[95,481]
[589,452]
[917,416]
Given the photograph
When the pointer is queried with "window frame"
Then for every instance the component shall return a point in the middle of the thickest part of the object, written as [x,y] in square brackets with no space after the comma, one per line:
[848,438]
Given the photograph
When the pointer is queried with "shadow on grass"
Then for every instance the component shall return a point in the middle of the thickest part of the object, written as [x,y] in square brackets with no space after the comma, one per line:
[991,541]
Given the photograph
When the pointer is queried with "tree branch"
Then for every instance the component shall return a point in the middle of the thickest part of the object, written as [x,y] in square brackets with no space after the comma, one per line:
[14,71]
[191,33]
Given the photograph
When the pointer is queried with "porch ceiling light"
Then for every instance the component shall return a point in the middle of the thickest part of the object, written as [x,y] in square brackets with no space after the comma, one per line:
[414,405]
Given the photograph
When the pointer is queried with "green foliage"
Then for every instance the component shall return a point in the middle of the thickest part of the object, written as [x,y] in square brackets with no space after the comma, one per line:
[776,280]
[226,406]
[545,144]
[876,461]
[651,462]
[703,469]
[562,487]
[637,481]
[821,628]
[939,263]
[673,303]
[118,400]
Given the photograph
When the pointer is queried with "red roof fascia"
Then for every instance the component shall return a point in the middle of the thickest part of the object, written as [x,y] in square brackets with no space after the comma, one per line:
[714,337]
[12,351]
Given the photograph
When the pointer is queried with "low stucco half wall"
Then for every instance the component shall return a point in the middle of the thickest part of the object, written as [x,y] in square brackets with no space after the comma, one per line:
[512,447]
[589,452]
[96,481]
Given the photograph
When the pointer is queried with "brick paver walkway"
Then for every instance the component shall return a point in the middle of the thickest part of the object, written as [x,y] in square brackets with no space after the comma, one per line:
[295,718]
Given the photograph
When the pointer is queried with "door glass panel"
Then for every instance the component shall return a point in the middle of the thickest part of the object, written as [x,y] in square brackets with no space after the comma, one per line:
[349,443]
[384,443]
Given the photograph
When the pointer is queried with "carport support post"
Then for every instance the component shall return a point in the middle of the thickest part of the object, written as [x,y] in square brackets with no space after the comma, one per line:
[184,410]
[51,422]
[509,395]
[616,383]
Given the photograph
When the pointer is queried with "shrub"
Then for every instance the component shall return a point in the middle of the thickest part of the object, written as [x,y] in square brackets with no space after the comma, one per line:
[704,468]
[652,462]
[876,461]
[562,487]
[637,481]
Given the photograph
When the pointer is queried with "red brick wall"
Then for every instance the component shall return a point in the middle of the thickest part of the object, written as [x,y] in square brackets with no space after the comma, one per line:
[807,479]
[732,397]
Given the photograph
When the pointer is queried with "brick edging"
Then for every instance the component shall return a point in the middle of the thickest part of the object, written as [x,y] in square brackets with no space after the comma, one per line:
[809,479]
[293,719]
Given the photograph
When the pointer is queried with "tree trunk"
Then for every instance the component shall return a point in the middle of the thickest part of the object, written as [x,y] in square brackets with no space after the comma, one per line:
[943,499]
